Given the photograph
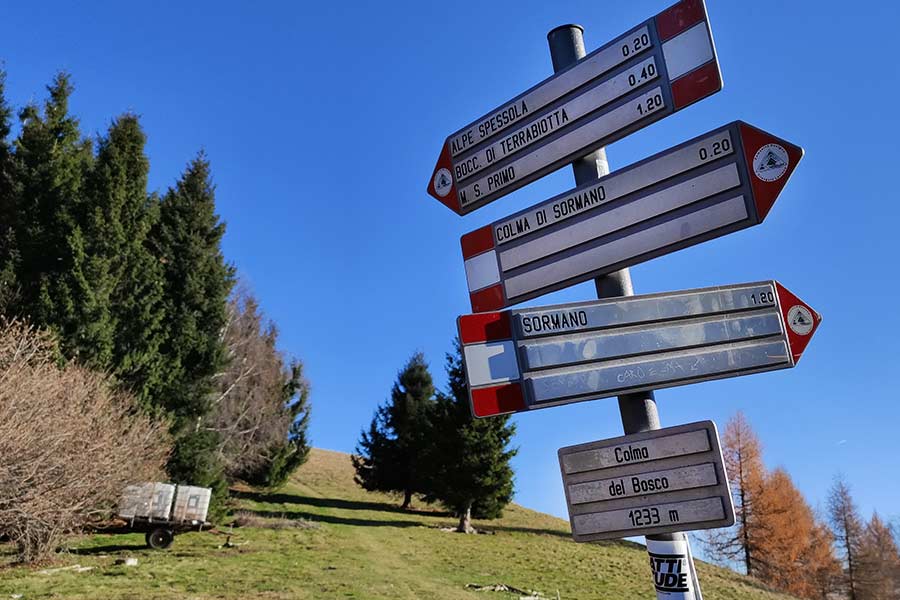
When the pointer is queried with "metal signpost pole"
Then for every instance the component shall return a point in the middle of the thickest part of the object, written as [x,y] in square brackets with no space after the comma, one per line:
[638,410]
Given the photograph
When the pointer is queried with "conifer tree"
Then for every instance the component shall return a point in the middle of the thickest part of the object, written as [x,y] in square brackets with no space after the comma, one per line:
[62,283]
[121,215]
[820,563]
[742,452]
[287,456]
[789,523]
[8,251]
[196,283]
[389,457]
[468,461]
[879,563]
[796,554]
[847,527]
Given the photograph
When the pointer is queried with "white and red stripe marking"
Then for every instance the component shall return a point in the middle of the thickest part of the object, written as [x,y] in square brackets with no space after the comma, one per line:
[482,270]
[489,351]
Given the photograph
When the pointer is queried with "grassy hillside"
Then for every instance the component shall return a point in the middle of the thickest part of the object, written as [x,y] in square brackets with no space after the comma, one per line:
[338,541]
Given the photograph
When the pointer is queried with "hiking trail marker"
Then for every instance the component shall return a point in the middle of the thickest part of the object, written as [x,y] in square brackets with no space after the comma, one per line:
[718,183]
[661,66]
[546,356]
[647,483]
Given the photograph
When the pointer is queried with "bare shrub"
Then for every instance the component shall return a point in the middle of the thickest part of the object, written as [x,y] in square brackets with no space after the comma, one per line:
[68,443]
[253,411]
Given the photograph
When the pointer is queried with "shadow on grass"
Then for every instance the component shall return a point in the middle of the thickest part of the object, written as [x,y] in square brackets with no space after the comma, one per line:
[108,549]
[534,530]
[279,498]
[320,518]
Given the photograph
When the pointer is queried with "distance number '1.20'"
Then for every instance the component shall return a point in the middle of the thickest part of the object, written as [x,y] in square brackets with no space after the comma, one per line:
[650,104]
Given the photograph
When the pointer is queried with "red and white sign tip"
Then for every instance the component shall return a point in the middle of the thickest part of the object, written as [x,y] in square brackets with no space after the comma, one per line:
[770,162]
[800,320]
[442,186]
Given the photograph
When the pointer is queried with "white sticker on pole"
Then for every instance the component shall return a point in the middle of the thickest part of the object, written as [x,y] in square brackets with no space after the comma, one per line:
[670,562]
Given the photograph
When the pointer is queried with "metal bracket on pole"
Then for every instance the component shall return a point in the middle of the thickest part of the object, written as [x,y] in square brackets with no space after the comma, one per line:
[673,568]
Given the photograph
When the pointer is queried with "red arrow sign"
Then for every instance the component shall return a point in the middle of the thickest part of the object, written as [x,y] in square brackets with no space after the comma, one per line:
[545,356]
[723,181]
[659,67]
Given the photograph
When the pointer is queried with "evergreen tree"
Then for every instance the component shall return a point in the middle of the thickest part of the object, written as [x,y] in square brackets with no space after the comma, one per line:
[468,462]
[389,457]
[286,457]
[196,283]
[847,527]
[8,251]
[194,461]
[376,455]
[62,284]
[120,217]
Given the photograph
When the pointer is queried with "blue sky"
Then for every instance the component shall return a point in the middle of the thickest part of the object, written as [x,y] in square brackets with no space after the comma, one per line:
[323,122]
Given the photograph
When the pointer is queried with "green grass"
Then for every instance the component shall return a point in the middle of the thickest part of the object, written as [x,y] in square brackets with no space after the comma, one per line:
[361,546]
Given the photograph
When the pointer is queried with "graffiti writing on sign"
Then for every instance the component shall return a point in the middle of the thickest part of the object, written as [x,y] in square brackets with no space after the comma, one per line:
[671,573]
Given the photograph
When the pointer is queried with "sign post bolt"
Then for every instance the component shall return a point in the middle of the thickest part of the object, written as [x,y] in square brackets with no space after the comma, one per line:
[638,410]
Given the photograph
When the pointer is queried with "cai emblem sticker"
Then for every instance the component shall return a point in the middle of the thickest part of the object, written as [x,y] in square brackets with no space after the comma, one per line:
[443,181]
[800,320]
[770,162]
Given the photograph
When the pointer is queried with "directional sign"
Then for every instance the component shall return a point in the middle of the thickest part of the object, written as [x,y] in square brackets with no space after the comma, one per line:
[659,67]
[647,483]
[721,182]
[537,357]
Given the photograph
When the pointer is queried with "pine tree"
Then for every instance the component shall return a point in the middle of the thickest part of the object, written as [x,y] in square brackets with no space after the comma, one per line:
[847,527]
[742,452]
[62,283]
[121,215]
[879,563]
[468,462]
[389,457]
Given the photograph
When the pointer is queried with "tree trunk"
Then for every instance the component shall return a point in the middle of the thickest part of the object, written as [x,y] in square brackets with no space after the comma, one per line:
[407,500]
[465,520]
[851,569]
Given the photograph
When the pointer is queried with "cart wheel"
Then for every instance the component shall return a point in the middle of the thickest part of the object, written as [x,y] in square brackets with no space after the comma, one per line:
[160,538]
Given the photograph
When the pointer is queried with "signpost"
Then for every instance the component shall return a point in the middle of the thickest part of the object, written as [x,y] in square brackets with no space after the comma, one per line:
[651,482]
[655,69]
[720,182]
[647,483]
[538,357]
